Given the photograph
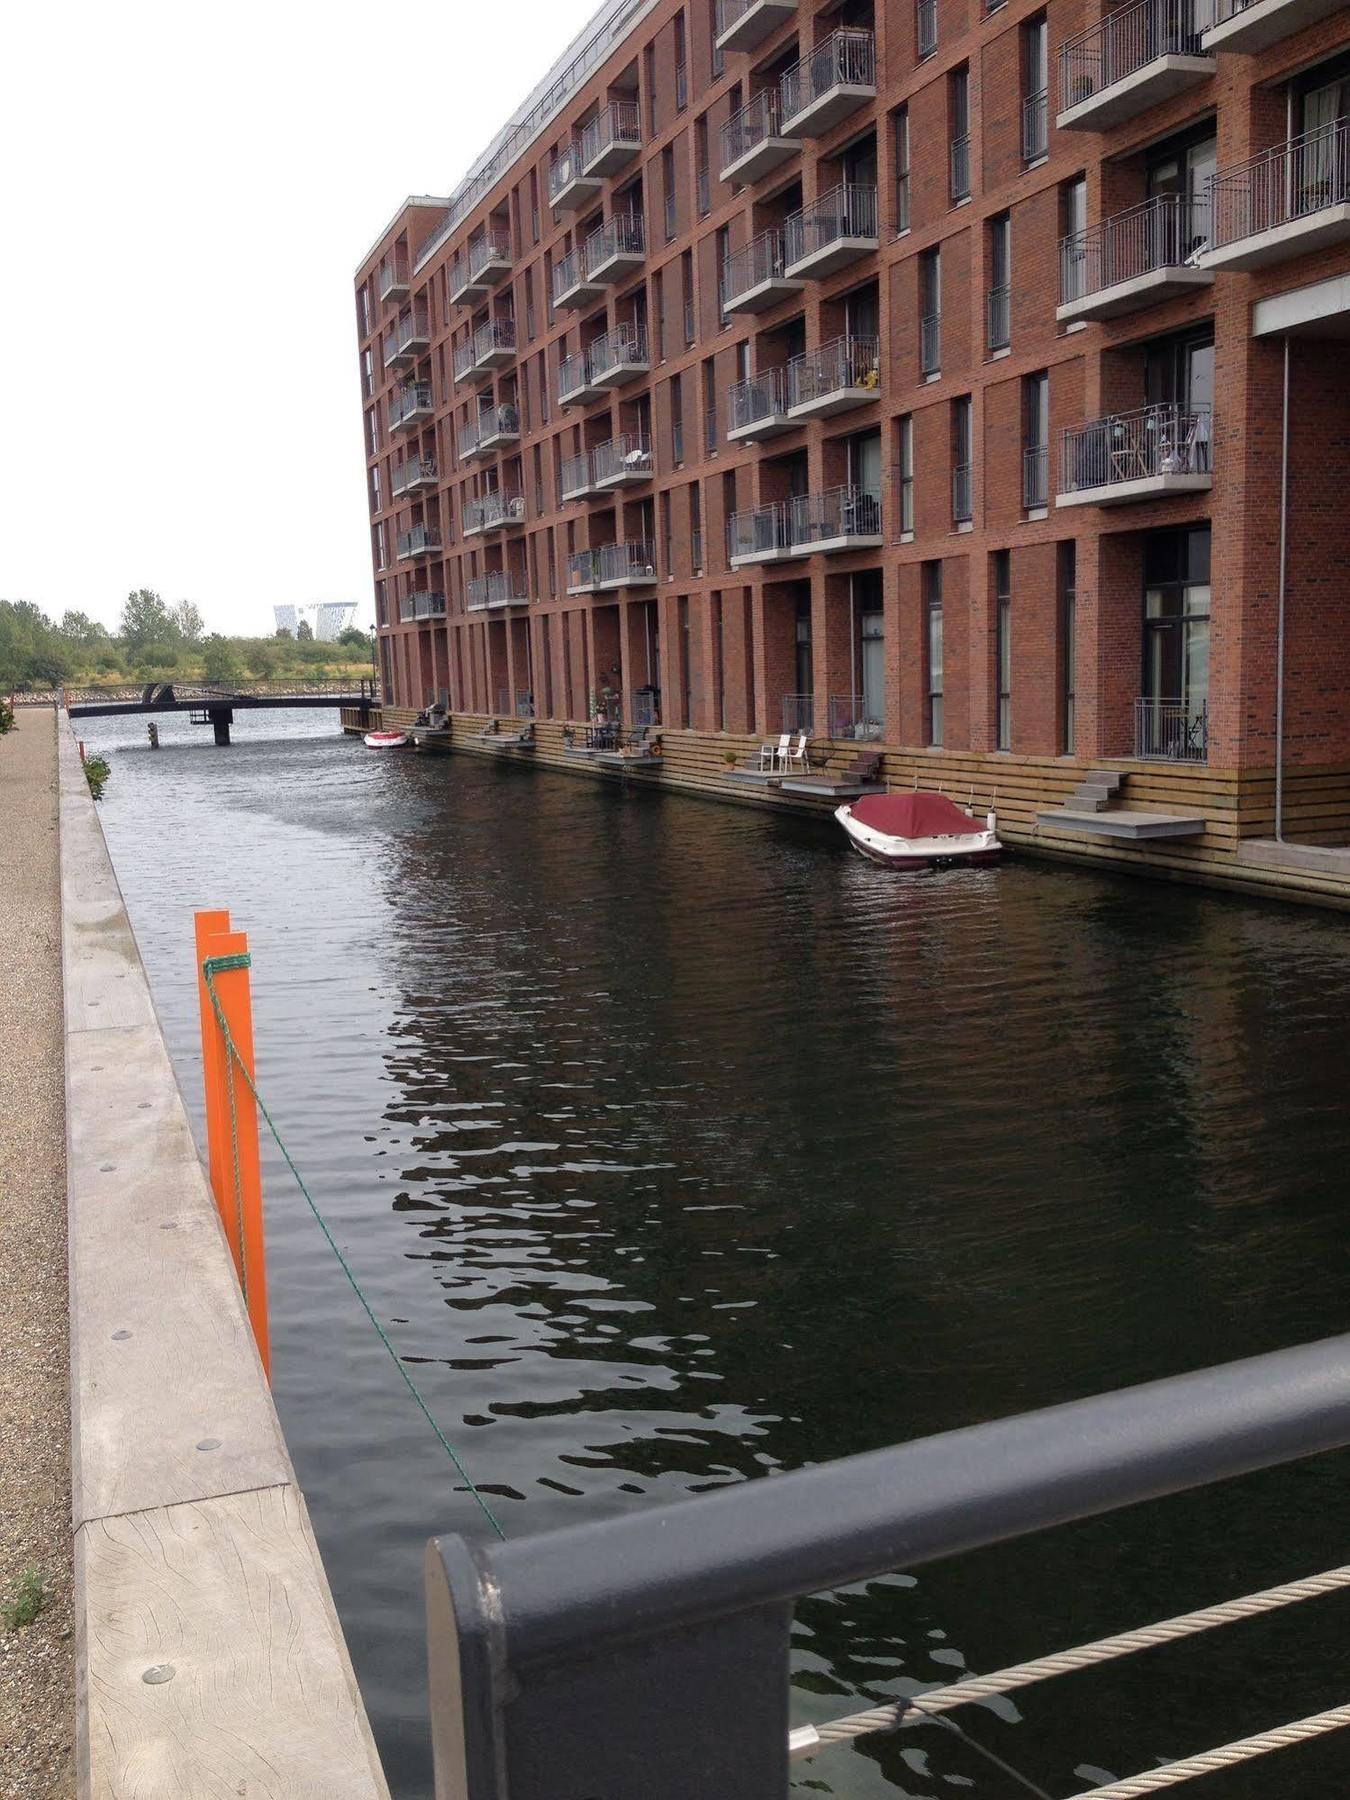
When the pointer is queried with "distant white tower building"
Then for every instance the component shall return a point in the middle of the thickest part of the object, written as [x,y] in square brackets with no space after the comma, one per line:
[331,619]
[287,618]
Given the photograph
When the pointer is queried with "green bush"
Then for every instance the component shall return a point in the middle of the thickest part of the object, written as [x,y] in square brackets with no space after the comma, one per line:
[25,1600]
[6,717]
[96,773]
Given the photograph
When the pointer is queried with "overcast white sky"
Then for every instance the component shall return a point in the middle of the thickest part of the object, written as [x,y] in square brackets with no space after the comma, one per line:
[185,194]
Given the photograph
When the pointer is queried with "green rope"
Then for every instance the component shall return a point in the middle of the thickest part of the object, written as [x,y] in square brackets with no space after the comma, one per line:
[210,968]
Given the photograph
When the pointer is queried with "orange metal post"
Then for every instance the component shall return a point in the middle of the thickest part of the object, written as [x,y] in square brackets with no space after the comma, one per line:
[207,925]
[244,1225]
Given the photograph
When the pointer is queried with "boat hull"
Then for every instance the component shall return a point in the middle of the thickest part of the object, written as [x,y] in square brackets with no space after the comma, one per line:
[385,740]
[974,849]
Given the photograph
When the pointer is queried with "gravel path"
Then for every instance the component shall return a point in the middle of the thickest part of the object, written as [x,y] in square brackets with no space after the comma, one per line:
[37,1662]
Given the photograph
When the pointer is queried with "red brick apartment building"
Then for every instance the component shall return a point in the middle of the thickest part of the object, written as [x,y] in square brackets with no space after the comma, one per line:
[968,379]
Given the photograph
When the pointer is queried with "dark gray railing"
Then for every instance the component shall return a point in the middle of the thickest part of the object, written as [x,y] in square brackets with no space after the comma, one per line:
[846,58]
[1126,41]
[837,513]
[649,1653]
[758,531]
[1290,182]
[930,343]
[846,211]
[1035,476]
[851,720]
[759,119]
[617,125]
[998,318]
[1162,233]
[845,362]
[761,260]
[1171,730]
[763,396]
[962,495]
[798,712]
[1035,126]
[1167,439]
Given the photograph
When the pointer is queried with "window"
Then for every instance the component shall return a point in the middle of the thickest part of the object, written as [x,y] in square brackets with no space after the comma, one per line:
[534,206]
[363,307]
[958,126]
[962,501]
[681,66]
[695,529]
[659,299]
[1173,713]
[1035,440]
[686,672]
[905,463]
[998,310]
[703,179]
[1003,649]
[367,373]
[676,419]
[649,82]
[1073,244]
[1068,647]
[709,407]
[930,312]
[932,657]
[381,548]
[668,188]
[719,58]
[687,289]
[926,28]
[1035,82]
[723,251]
[373,430]
[902,170]
[728,508]
[376,502]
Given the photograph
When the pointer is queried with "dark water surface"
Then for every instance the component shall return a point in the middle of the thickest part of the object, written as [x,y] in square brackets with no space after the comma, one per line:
[676,1146]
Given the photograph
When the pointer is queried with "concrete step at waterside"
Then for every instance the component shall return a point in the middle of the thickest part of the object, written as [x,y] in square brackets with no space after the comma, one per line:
[1096,791]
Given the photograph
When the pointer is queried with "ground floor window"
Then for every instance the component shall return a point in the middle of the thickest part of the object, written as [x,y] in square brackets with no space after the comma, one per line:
[932,594]
[1174,709]
[1003,649]
[1068,643]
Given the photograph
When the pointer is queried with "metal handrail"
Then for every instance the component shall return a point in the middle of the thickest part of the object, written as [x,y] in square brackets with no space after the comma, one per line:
[489,248]
[623,347]
[1127,40]
[393,273]
[568,272]
[845,362]
[624,234]
[759,118]
[410,399]
[563,170]
[496,334]
[763,396]
[499,587]
[1291,181]
[426,604]
[618,123]
[496,508]
[573,375]
[417,539]
[411,469]
[1160,233]
[1035,125]
[846,58]
[758,529]
[998,317]
[575,474]
[628,454]
[846,211]
[762,259]
[850,721]
[959,160]
[1171,730]
[837,512]
[582,569]
[463,359]
[634,560]
[1163,439]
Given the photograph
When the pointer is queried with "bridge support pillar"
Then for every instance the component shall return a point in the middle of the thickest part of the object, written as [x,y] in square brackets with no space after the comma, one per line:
[222,717]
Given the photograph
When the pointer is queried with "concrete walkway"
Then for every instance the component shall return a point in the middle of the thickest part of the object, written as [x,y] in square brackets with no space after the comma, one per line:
[37,1665]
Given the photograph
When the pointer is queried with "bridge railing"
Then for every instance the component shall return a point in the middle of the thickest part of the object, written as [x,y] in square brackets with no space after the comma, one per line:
[140,693]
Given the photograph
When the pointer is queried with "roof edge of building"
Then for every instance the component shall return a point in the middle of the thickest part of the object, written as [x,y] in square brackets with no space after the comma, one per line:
[404,206]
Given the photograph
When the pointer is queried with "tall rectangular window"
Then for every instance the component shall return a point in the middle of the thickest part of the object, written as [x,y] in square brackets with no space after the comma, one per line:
[1035,440]
[702,177]
[668,189]
[659,302]
[1003,649]
[687,288]
[901,129]
[534,206]
[998,320]
[958,127]
[709,406]
[676,419]
[1035,86]
[932,657]
[719,56]
[649,83]
[686,667]
[930,311]
[905,461]
[1073,244]
[681,66]
[925,28]
[962,497]
[1068,651]
[695,529]
[723,248]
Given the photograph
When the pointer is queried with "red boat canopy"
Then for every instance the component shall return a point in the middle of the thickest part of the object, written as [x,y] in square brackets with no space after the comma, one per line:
[917,815]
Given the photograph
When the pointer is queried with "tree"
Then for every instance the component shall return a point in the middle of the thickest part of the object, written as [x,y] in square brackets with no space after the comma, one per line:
[284,631]
[79,629]
[188,621]
[147,623]
[32,651]
[304,632]
[355,639]
[219,662]
[263,658]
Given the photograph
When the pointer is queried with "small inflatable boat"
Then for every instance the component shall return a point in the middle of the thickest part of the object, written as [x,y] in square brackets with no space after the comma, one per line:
[917,831]
[386,740]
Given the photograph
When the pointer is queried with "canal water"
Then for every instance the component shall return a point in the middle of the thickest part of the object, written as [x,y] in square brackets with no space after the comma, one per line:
[677,1147]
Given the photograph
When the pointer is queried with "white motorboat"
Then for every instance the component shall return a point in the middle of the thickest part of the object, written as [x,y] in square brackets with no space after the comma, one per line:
[919,830]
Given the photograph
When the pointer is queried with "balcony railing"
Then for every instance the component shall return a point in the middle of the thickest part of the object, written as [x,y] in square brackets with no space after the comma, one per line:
[421,540]
[574,477]
[565,178]
[1126,41]
[620,565]
[569,279]
[760,261]
[1035,126]
[799,712]
[499,587]
[627,457]
[962,496]
[852,720]
[611,138]
[1035,476]
[410,402]
[494,512]
[845,62]
[930,343]
[463,360]
[622,237]
[1165,439]
[583,571]
[1171,730]
[847,212]
[574,379]
[617,354]
[423,604]
[761,399]
[494,343]
[1163,233]
[837,514]
[740,24]
[1294,181]
[998,318]
[393,277]
[409,334]
[757,123]
[760,533]
[926,27]
[959,161]
[842,364]
[413,472]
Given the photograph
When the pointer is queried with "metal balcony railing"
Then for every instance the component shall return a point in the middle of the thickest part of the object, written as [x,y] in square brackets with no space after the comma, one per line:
[621,563]
[959,169]
[926,27]
[759,119]
[1035,476]
[963,507]
[1293,181]
[427,604]
[852,720]
[490,248]
[930,343]
[845,362]
[998,318]
[1126,41]
[499,587]
[763,396]
[568,272]
[575,475]
[799,712]
[1161,233]
[582,570]
[415,398]
[413,471]
[496,335]
[1165,439]
[573,375]
[762,259]
[847,211]
[564,171]
[393,277]
[847,58]
[644,708]
[463,359]
[629,454]
[623,348]
[419,540]
[1171,730]
[494,511]
[411,328]
[623,235]
[758,531]
[1035,126]
[838,512]
[616,125]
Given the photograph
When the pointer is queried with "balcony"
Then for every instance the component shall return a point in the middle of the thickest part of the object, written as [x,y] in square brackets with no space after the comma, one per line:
[1133,59]
[624,565]
[410,405]
[741,24]
[752,143]
[1287,202]
[575,387]
[572,288]
[393,278]
[842,518]
[612,139]
[479,269]
[839,375]
[493,512]
[1142,455]
[422,540]
[1249,25]
[616,249]
[408,339]
[583,572]
[498,588]
[839,75]
[568,186]
[494,345]
[412,475]
[421,604]
[576,480]
[463,360]
[758,408]
[498,427]
[1133,259]
[760,535]
[618,357]
[1171,730]
[834,230]
[753,278]
[622,462]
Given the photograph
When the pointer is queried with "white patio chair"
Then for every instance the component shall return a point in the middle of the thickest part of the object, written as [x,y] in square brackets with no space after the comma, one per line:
[771,755]
[795,757]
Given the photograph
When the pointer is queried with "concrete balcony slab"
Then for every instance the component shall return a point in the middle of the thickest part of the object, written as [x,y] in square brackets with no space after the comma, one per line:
[1296,237]
[824,110]
[844,540]
[1143,88]
[1265,22]
[763,295]
[1133,295]
[822,406]
[824,259]
[758,21]
[769,426]
[1124,827]
[761,159]
[615,265]
[1142,487]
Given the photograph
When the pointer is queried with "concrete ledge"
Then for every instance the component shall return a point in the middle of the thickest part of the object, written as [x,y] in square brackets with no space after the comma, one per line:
[1132,827]
[193,1550]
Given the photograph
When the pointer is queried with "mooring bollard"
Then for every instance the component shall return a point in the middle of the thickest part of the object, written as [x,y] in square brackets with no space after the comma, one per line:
[153,730]
[231,1108]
